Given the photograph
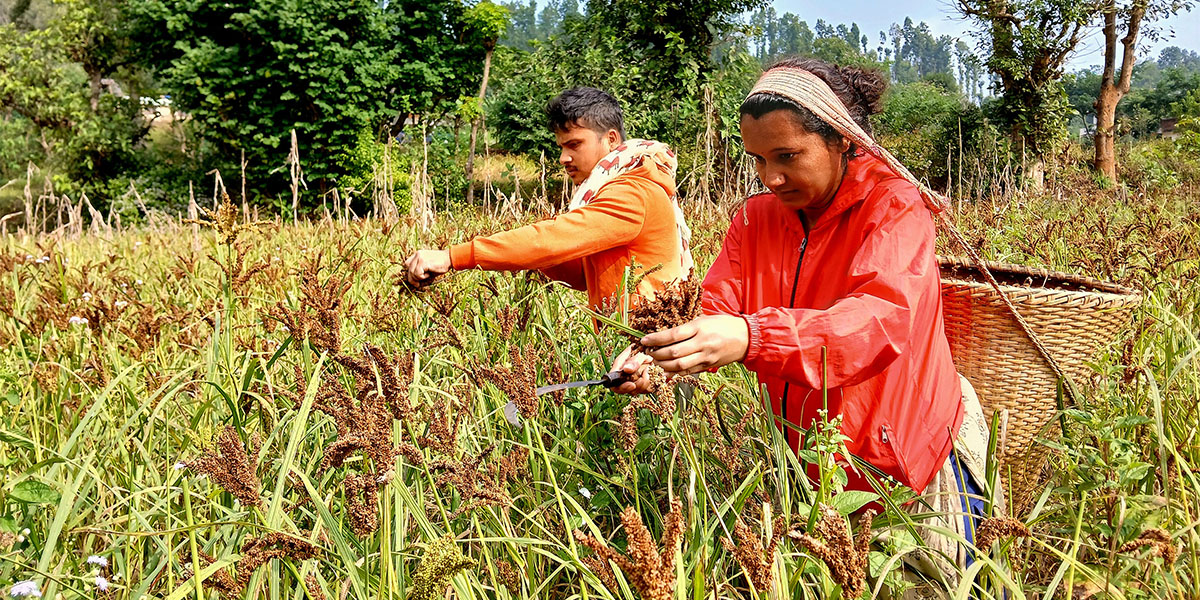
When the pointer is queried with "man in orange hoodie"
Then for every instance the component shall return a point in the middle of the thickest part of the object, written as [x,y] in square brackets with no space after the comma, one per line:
[623,209]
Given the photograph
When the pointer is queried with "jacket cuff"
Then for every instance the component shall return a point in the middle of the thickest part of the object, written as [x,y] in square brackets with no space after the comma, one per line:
[462,256]
[755,341]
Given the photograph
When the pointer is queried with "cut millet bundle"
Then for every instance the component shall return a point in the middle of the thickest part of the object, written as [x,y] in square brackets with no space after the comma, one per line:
[674,305]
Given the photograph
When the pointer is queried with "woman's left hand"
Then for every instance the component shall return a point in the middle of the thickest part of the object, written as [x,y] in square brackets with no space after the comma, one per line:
[701,344]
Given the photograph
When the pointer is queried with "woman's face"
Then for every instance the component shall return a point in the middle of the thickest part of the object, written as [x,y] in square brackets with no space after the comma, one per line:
[798,166]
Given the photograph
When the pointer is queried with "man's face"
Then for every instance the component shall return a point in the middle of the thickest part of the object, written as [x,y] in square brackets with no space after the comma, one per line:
[582,148]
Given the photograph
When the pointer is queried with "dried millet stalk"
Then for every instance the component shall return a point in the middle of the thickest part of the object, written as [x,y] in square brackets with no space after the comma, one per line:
[1159,542]
[362,495]
[518,381]
[257,551]
[221,580]
[507,576]
[230,466]
[730,454]
[602,569]
[674,305]
[990,530]
[318,318]
[444,417]
[660,399]
[506,322]
[750,554]
[225,220]
[628,430]
[236,272]
[651,571]
[476,485]
[513,466]
[845,556]
[314,588]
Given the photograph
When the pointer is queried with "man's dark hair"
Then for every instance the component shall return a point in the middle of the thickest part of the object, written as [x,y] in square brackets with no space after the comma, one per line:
[586,107]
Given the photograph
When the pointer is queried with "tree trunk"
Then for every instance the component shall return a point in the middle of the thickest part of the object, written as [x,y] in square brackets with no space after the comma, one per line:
[487,68]
[94,87]
[1113,88]
[1104,139]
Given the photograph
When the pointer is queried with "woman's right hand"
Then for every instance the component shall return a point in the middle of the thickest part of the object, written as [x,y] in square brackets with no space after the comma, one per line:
[633,365]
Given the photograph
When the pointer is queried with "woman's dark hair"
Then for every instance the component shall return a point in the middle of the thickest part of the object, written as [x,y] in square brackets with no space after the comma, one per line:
[586,107]
[859,89]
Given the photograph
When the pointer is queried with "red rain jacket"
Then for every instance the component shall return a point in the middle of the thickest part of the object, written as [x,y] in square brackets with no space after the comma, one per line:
[862,281]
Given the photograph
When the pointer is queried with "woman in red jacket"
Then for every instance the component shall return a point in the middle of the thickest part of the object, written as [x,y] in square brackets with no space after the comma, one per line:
[839,255]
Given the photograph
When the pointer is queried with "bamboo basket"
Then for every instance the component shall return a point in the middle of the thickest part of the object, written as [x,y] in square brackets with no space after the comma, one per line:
[1072,315]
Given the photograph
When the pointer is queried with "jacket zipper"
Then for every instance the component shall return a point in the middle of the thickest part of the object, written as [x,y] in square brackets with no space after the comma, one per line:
[791,304]
[888,437]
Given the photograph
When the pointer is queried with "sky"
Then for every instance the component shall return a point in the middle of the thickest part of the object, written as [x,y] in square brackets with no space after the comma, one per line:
[874,16]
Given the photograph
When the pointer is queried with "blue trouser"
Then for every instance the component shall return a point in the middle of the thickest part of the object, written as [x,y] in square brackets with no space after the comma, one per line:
[972,500]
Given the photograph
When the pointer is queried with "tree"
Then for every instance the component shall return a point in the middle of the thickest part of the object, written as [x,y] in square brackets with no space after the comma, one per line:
[486,22]
[1117,17]
[1082,87]
[678,36]
[435,56]
[1029,41]
[918,53]
[1176,57]
[55,110]
[250,72]
[523,27]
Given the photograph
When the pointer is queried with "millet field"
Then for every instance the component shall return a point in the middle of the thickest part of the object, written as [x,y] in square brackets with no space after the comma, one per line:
[240,408]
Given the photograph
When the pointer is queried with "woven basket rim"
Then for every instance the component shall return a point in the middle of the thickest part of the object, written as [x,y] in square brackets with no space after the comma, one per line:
[964,269]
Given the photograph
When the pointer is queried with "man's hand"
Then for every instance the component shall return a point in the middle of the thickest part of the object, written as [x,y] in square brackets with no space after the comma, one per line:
[634,368]
[701,344]
[424,265]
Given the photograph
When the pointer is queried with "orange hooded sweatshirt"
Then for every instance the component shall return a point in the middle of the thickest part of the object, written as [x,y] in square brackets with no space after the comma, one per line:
[631,217]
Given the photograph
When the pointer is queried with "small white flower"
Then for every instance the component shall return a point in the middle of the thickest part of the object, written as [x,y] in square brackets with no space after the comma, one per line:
[30,256]
[179,466]
[25,531]
[20,538]
[87,296]
[25,589]
[77,320]
[120,304]
[586,493]
[101,583]
[138,282]
[97,560]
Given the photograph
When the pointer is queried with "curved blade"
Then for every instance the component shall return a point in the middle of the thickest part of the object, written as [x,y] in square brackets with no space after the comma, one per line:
[546,389]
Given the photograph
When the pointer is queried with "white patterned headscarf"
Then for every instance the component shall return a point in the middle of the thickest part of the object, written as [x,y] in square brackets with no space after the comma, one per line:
[811,92]
[626,157]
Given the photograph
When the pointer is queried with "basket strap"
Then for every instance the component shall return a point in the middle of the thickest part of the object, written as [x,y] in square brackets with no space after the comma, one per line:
[1068,383]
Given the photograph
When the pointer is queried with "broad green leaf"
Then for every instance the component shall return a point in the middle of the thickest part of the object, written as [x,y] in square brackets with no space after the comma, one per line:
[32,491]
[851,500]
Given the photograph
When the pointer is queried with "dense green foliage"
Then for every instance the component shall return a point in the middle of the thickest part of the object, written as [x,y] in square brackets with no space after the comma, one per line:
[1162,88]
[113,96]
[248,73]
